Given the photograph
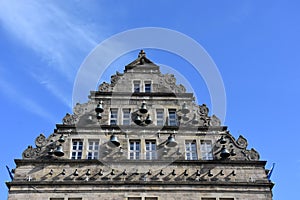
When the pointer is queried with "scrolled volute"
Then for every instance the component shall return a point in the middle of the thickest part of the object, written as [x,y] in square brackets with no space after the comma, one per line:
[40,141]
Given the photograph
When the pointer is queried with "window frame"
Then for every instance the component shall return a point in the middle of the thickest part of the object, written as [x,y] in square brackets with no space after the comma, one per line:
[134,198]
[93,151]
[147,86]
[226,198]
[172,121]
[208,198]
[134,154]
[113,120]
[160,121]
[142,198]
[138,88]
[206,150]
[126,118]
[77,151]
[191,150]
[151,152]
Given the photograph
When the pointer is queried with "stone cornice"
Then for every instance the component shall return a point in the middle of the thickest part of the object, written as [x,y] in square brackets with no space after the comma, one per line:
[95,94]
[145,183]
[20,162]
[122,127]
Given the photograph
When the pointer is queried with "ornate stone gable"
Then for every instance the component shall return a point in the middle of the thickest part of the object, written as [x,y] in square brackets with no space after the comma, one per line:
[141,136]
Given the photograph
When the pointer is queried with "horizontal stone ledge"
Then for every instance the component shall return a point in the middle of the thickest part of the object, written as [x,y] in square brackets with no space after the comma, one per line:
[96,94]
[160,130]
[20,162]
[141,183]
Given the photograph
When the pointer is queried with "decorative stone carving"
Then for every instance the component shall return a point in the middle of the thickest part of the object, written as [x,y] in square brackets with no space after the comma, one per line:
[43,146]
[198,117]
[214,121]
[31,152]
[237,148]
[142,59]
[205,121]
[28,153]
[203,110]
[115,78]
[40,141]
[70,119]
[167,83]
[253,154]
[104,87]
[242,142]
[181,89]
[79,109]
[170,79]
[178,89]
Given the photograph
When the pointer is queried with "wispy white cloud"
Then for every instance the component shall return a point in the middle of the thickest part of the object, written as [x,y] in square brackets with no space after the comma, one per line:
[54,87]
[25,102]
[57,35]
[52,33]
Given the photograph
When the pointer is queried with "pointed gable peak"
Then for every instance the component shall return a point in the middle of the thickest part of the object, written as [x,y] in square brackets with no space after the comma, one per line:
[141,61]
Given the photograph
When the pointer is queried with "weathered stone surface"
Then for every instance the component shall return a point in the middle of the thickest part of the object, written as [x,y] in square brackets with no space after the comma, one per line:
[223,167]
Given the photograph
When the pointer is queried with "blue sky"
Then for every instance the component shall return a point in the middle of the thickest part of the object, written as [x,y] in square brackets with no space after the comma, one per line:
[255,45]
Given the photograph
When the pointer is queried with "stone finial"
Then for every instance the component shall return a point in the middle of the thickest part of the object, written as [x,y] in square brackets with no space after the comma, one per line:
[142,54]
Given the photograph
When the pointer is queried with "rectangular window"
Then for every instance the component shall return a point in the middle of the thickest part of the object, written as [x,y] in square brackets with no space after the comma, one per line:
[134,150]
[147,86]
[134,198]
[140,198]
[77,149]
[159,117]
[136,86]
[206,150]
[226,198]
[74,198]
[93,151]
[172,117]
[190,150]
[126,116]
[151,150]
[56,198]
[113,116]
